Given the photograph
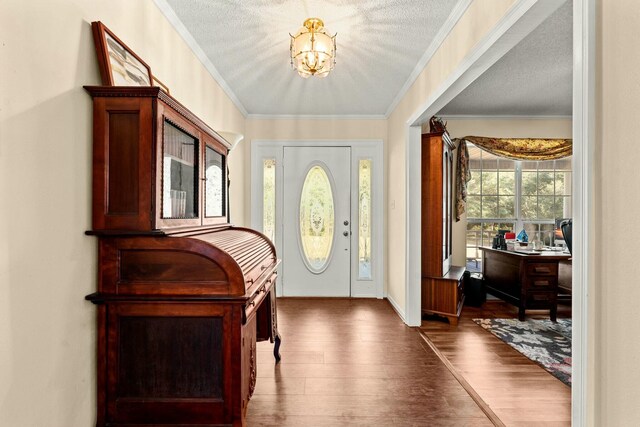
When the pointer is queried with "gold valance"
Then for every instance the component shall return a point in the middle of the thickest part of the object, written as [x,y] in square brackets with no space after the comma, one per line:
[511,148]
[523,148]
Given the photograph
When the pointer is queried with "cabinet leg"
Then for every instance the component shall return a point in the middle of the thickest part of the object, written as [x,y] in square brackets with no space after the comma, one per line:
[453,320]
[521,314]
[553,313]
[276,348]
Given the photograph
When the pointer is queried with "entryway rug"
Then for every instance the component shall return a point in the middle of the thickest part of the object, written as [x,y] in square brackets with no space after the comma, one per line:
[543,341]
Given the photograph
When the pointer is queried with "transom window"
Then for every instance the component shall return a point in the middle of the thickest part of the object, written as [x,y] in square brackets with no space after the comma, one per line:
[505,194]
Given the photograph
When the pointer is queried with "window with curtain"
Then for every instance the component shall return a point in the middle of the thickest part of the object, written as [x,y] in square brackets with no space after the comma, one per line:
[506,194]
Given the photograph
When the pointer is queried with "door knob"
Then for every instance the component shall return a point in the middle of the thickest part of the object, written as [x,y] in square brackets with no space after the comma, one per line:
[345,234]
[346,222]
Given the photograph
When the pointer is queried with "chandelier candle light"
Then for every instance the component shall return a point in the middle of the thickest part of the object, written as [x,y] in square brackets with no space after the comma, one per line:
[313,50]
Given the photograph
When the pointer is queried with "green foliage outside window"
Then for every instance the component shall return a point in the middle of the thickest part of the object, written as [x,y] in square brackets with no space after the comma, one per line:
[492,201]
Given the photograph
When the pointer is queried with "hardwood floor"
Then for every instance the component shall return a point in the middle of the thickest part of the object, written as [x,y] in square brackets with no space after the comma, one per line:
[352,362]
[517,390]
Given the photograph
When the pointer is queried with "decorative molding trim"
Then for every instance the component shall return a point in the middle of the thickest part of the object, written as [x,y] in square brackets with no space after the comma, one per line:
[503,117]
[396,307]
[374,142]
[584,106]
[177,24]
[458,11]
[315,117]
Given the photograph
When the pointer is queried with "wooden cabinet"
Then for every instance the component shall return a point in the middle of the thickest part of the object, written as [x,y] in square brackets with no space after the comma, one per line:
[182,295]
[155,165]
[442,286]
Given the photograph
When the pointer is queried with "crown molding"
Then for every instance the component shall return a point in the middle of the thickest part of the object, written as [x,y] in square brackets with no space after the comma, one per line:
[458,10]
[177,24]
[504,117]
[316,117]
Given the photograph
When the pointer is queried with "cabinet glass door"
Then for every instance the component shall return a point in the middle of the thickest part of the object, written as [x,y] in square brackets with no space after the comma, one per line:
[214,194]
[179,174]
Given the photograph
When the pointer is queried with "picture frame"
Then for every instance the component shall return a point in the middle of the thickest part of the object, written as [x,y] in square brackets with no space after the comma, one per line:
[119,65]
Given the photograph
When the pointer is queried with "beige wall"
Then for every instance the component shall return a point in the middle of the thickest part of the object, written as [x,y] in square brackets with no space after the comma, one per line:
[481,17]
[47,264]
[617,209]
[499,128]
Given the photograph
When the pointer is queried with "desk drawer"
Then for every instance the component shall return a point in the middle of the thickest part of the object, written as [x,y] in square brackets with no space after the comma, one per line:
[542,269]
[540,299]
[542,283]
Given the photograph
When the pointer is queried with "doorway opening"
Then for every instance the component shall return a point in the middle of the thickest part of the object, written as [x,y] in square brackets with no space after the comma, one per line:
[484,55]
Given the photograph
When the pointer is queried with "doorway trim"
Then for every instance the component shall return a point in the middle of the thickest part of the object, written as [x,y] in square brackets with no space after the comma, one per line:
[519,21]
[360,149]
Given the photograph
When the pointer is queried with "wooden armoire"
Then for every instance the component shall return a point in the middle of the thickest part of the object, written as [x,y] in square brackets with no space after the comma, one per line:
[182,295]
[442,284]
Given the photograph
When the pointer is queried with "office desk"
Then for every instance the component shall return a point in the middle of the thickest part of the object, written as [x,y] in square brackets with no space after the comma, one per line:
[527,280]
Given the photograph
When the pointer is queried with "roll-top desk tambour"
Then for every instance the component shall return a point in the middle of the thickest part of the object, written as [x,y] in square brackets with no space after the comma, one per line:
[182,296]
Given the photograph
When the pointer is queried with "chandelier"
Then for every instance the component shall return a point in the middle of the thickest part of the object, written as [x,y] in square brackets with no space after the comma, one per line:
[313,50]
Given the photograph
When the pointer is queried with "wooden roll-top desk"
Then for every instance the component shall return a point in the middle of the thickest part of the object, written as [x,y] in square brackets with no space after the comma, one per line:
[183,296]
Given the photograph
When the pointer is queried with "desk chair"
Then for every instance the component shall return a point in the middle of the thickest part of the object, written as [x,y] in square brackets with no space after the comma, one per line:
[472,255]
[564,267]
[567,226]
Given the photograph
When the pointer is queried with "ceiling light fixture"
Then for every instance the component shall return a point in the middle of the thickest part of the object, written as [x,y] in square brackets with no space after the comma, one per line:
[313,50]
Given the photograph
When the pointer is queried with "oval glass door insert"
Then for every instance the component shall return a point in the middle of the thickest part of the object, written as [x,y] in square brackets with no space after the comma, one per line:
[316,219]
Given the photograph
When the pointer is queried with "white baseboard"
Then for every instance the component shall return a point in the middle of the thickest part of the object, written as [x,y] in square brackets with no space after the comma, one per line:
[397,308]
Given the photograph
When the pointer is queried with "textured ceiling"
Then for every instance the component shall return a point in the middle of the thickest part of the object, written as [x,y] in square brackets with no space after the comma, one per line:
[533,79]
[380,42]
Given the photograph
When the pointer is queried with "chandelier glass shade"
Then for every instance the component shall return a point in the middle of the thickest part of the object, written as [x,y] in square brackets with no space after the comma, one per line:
[313,50]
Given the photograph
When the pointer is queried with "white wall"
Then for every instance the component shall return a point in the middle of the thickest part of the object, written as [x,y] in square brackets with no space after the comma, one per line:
[499,128]
[47,264]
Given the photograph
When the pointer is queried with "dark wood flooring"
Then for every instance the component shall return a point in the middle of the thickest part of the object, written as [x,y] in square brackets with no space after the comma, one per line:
[517,390]
[352,362]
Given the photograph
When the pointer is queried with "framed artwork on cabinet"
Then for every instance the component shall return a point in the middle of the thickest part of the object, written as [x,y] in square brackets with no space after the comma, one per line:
[119,65]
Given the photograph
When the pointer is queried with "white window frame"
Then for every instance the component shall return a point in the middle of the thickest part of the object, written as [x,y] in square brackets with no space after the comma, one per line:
[518,219]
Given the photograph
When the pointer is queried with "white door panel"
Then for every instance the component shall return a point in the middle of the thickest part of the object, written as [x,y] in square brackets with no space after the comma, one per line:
[317,221]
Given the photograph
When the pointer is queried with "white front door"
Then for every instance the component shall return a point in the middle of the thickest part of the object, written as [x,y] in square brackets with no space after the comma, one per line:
[317,221]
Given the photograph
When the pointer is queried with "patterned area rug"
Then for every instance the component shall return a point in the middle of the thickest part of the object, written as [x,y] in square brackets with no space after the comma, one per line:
[543,341]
